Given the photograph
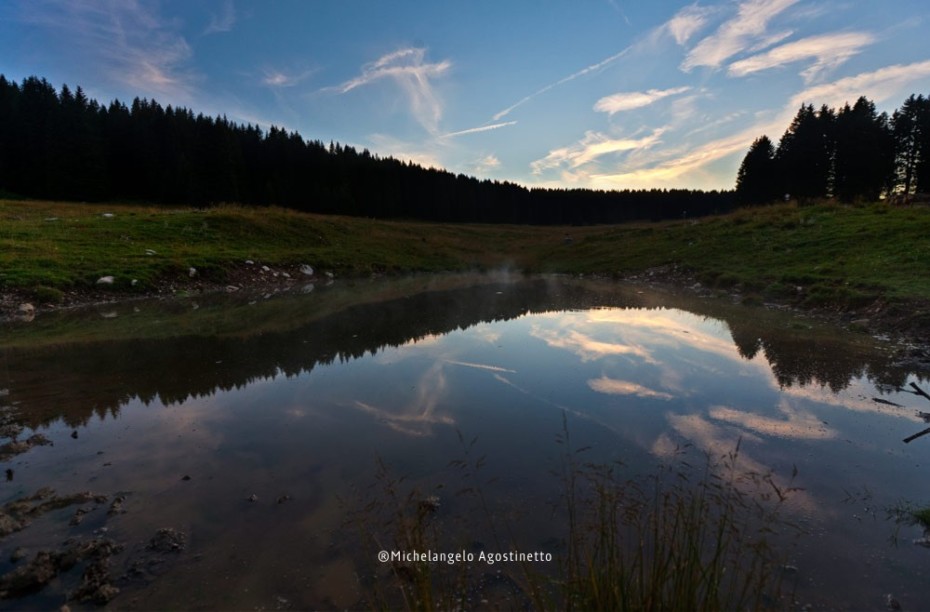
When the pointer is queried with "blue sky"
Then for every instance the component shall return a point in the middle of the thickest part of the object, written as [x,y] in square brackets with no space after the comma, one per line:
[605,94]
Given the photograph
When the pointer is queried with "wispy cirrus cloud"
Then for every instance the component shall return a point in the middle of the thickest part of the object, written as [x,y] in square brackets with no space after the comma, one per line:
[277,78]
[580,73]
[129,41]
[409,69]
[828,51]
[687,22]
[690,165]
[612,386]
[737,34]
[681,27]
[630,100]
[222,21]
[486,164]
[797,424]
[483,128]
[879,86]
[592,146]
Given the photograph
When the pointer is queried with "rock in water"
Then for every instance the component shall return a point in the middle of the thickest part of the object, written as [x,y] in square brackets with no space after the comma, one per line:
[168,540]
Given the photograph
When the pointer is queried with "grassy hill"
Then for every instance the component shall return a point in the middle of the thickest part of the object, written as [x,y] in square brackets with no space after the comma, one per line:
[825,256]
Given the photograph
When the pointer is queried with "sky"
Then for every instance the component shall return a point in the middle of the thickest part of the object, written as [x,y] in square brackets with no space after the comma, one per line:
[602,94]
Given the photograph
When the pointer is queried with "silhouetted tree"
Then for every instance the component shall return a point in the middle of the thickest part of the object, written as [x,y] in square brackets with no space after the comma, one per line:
[60,144]
[864,157]
[805,154]
[908,141]
[757,180]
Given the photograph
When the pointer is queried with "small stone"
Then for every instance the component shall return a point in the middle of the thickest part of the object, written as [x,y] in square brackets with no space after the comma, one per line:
[151,252]
[429,505]
[266,269]
[231,288]
[306,270]
[105,280]
[78,516]
[167,540]
[284,498]
[192,272]
[285,275]
[186,477]
[891,602]
[108,215]
[26,312]
[249,262]
[253,497]
[74,434]
[117,506]
[134,282]
[330,275]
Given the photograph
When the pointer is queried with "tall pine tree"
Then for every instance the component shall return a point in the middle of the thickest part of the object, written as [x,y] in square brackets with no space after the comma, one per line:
[757,179]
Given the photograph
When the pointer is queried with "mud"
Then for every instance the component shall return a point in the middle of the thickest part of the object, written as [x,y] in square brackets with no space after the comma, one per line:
[18,447]
[92,556]
[18,514]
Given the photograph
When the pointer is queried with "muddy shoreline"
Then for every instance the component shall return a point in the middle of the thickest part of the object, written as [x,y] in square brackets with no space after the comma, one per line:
[902,324]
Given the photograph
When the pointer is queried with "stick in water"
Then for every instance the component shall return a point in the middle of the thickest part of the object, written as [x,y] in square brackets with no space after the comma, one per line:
[917,435]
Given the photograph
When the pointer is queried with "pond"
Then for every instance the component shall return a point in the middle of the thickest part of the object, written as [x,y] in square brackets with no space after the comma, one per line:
[269,437]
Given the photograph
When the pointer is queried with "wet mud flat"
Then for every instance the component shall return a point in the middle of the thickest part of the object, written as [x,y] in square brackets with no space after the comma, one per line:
[88,566]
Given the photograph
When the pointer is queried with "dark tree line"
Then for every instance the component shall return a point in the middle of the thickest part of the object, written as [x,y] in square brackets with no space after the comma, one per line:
[58,144]
[853,154]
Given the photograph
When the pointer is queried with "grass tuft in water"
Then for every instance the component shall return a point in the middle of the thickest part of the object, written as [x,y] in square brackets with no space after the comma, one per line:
[708,536]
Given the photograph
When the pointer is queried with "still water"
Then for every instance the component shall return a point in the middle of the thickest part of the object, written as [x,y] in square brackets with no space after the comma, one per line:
[263,430]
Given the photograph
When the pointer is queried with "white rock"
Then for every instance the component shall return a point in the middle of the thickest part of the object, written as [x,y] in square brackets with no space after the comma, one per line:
[26,312]
[106,280]
[307,288]
[134,282]
[329,275]
[266,269]
[108,215]
[231,288]
[109,315]
[150,252]
[306,270]
[249,262]
[285,275]
[192,272]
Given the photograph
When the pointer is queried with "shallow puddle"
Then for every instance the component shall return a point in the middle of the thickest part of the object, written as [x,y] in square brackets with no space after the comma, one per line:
[275,433]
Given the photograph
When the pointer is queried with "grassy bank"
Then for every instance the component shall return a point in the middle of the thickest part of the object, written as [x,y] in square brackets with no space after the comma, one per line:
[821,256]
